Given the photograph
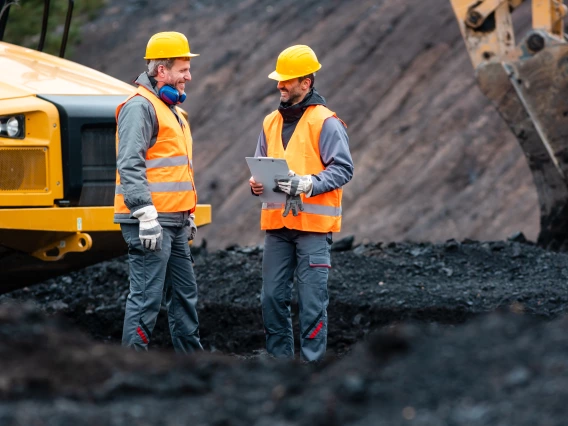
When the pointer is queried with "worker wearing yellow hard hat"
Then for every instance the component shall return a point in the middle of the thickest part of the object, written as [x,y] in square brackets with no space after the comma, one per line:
[155,196]
[299,232]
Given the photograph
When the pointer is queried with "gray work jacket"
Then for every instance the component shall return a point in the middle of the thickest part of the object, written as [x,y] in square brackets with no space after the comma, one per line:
[137,132]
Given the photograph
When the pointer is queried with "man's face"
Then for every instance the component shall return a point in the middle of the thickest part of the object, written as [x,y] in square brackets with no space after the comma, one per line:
[293,91]
[178,75]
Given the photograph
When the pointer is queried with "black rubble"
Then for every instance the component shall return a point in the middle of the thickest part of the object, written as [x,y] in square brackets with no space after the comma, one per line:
[461,333]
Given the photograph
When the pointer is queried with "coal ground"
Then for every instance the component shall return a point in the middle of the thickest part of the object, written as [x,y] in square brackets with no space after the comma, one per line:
[459,333]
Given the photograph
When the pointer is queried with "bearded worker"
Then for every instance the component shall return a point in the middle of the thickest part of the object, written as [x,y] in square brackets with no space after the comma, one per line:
[298,239]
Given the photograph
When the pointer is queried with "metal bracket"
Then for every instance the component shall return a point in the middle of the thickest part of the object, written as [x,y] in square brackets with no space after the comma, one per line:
[78,242]
[478,13]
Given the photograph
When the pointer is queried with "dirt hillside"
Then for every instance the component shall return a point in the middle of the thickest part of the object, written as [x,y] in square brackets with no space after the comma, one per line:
[432,158]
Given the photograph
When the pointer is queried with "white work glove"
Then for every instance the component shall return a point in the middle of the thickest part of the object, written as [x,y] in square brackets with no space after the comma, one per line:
[296,184]
[150,233]
[192,228]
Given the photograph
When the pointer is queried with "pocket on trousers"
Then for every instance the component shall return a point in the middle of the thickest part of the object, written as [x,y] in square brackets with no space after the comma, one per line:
[128,231]
[319,261]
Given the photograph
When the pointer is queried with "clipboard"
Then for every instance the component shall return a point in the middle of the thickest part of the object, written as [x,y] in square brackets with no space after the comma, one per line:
[264,170]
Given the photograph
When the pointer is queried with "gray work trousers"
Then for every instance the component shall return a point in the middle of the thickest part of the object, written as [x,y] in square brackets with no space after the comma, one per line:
[152,274]
[307,254]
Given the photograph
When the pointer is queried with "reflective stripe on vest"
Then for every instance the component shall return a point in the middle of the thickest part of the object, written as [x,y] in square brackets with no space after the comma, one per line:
[163,187]
[169,165]
[308,208]
[322,213]
[166,162]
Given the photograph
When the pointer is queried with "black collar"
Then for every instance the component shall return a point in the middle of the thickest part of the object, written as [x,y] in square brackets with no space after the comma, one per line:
[292,113]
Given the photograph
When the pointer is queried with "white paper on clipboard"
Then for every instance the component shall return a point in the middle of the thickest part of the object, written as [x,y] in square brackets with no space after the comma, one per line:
[264,170]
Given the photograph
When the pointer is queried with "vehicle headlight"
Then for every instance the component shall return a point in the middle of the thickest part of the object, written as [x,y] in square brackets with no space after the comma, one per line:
[12,126]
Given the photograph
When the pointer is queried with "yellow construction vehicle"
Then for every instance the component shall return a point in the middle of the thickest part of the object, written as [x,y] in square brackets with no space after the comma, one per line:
[528,84]
[57,162]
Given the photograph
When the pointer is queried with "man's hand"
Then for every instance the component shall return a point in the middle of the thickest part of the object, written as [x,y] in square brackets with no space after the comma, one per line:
[256,187]
[294,203]
[150,233]
[192,228]
[296,184]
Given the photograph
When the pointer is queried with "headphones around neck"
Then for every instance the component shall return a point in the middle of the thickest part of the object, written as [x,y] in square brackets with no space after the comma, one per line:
[171,96]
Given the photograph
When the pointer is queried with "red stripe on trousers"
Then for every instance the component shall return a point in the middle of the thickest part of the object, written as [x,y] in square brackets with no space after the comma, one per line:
[316,331]
[142,335]
[319,265]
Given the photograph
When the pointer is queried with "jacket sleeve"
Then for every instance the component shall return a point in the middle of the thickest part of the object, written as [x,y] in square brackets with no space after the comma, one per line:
[137,130]
[261,147]
[335,156]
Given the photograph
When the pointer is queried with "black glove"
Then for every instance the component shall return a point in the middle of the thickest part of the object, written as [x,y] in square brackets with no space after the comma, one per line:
[277,179]
[294,203]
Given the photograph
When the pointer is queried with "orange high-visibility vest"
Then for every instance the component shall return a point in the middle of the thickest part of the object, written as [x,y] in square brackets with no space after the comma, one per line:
[322,213]
[169,169]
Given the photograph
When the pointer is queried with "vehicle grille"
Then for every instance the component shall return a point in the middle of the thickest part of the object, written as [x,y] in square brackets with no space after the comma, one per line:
[99,165]
[23,169]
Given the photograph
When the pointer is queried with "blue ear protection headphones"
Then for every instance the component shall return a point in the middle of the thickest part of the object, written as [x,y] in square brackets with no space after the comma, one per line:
[171,96]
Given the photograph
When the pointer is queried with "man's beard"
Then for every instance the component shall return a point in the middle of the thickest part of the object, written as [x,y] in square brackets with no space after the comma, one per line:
[293,98]
[174,84]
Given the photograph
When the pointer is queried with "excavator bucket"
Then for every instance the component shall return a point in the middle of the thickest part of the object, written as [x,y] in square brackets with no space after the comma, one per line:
[527,83]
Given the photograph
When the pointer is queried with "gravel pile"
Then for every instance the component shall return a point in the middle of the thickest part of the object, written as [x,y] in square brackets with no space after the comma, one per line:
[461,333]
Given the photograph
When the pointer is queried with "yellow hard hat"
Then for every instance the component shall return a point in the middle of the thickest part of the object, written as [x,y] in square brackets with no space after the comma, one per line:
[168,45]
[296,61]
